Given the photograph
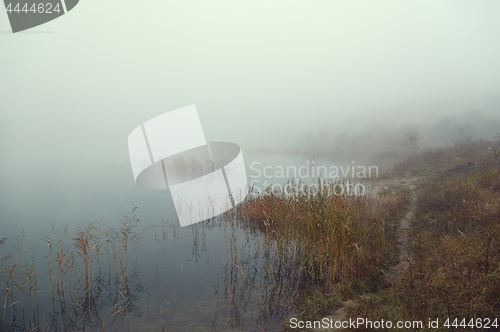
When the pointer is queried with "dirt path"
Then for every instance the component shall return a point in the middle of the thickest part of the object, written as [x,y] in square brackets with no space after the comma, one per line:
[403,238]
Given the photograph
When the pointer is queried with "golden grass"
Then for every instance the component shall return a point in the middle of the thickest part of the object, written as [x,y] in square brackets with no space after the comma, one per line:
[455,251]
[335,242]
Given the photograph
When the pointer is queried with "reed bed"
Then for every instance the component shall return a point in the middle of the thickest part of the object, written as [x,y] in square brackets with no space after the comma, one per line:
[92,280]
[284,253]
[330,237]
[319,242]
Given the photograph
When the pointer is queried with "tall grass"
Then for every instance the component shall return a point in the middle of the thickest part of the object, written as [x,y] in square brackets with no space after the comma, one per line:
[19,295]
[297,247]
[322,241]
[91,280]
[455,252]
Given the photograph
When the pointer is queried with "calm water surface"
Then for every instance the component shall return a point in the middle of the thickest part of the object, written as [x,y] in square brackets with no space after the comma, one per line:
[203,277]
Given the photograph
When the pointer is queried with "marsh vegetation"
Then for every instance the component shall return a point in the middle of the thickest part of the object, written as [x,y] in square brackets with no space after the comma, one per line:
[295,254]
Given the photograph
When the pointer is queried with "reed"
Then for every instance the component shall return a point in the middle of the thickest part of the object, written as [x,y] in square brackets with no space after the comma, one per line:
[91,280]
[20,288]
[307,243]
[86,245]
[329,237]
[123,298]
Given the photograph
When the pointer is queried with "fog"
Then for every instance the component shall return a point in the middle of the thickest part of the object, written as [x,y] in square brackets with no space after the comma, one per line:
[270,76]
[322,82]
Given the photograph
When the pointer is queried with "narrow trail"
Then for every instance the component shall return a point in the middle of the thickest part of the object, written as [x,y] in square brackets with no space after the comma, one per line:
[403,238]
[398,269]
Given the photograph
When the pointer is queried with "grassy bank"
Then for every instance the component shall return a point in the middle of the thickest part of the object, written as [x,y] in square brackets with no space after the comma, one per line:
[344,246]
[454,266]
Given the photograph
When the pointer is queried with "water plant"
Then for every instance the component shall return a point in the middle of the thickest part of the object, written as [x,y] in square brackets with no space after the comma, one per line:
[91,280]
[311,242]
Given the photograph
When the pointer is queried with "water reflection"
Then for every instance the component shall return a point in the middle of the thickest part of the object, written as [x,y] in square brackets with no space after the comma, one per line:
[121,277]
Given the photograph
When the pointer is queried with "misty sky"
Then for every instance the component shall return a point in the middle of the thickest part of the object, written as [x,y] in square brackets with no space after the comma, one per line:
[268,75]
[262,73]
